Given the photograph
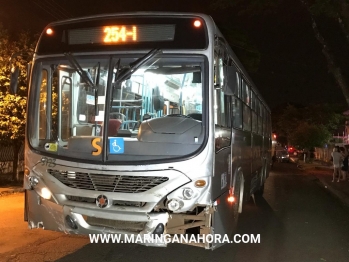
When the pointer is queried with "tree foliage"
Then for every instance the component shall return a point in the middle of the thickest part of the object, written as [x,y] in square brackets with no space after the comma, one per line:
[308,135]
[24,48]
[310,126]
[12,119]
[13,107]
[330,8]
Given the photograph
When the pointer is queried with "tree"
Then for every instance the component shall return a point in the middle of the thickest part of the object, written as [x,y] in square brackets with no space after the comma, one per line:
[12,124]
[333,66]
[13,107]
[287,121]
[310,126]
[308,136]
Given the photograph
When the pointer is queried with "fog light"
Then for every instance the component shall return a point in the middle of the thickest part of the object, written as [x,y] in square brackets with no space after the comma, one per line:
[45,193]
[71,223]
[33,181]
[159,229]
[174,205]
[188,193]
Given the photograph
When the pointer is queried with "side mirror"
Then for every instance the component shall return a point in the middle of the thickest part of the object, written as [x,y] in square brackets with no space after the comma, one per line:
[230,80]
[14,80]
[196,77]
[158,100]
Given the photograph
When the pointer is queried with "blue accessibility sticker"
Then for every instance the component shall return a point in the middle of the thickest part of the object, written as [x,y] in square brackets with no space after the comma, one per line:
[116,145]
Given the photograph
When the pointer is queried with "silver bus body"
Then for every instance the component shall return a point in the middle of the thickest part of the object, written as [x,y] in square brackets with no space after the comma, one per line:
[202,193]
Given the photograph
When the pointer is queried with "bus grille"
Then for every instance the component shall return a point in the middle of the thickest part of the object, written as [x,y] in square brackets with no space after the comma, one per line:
[121,203]
[132,226]
[108,183]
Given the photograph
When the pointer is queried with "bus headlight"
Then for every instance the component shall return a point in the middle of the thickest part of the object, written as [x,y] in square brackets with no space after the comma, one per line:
[33,181]
[45,193]
[188,193]
[174,204]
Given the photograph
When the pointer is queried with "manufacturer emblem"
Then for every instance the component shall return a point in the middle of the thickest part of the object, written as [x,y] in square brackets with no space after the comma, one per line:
[102,201]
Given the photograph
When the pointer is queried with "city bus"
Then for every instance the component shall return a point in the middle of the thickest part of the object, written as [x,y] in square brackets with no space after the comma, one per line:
[142,123]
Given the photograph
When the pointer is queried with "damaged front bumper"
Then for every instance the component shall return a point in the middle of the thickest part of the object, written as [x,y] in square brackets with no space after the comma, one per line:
[48,215]
[77,220]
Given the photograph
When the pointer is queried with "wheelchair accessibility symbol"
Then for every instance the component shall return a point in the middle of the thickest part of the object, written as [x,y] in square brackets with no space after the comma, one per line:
[116,145]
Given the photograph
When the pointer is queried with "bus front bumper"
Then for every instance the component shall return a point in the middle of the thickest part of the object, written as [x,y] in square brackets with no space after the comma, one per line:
[45,214]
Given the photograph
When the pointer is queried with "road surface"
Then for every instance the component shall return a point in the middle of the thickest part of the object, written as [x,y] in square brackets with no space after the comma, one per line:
[297,221]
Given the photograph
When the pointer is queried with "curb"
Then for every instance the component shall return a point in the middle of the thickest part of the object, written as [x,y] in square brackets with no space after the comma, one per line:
[11,191]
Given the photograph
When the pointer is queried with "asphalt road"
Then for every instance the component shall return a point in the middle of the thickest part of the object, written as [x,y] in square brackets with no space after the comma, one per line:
[297,221]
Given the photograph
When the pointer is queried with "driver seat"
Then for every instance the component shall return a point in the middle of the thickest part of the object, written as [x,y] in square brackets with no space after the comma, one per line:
[114,126]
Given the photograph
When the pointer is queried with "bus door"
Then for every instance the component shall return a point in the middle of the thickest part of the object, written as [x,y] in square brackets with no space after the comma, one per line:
[223,217]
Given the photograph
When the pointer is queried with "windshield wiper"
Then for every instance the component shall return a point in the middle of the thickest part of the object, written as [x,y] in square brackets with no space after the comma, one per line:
[85,76]
[126,72]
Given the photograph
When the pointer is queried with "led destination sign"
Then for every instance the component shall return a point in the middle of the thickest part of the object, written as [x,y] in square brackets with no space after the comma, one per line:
[124,33]
[115,34]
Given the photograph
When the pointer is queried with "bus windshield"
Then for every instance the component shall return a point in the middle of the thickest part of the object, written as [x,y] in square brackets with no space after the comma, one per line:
[151,113]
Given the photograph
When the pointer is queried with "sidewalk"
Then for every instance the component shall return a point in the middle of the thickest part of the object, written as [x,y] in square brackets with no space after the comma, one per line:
[8,186]
[324,173]
[8,190]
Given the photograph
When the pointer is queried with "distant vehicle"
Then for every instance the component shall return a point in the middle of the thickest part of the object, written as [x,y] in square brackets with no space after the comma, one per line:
[283,156]
[291,150]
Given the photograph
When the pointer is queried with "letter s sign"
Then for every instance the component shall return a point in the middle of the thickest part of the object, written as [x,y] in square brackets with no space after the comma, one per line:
[98,147]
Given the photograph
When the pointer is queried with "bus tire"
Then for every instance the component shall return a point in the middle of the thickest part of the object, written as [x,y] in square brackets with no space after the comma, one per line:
[260,190]
[238,193]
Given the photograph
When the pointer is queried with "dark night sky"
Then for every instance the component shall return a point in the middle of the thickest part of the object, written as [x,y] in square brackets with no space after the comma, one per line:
[292,68]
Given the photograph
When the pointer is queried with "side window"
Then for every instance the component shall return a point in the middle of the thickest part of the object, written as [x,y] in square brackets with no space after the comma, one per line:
[65,106]
[264,121]
[228,110]
[43,106]
[253,100]
[254,122]
[269,124]
[246,95]
[247,118]
[221,72]
[238,84]
[260,118]
[220,108]
[237,112]
[220,105]
[218,71]
[215,107]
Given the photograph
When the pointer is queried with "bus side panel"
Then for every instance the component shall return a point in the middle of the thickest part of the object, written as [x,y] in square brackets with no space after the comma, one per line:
[246,162]
[221,178]
[267,154]
[257,162]
[223,217]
